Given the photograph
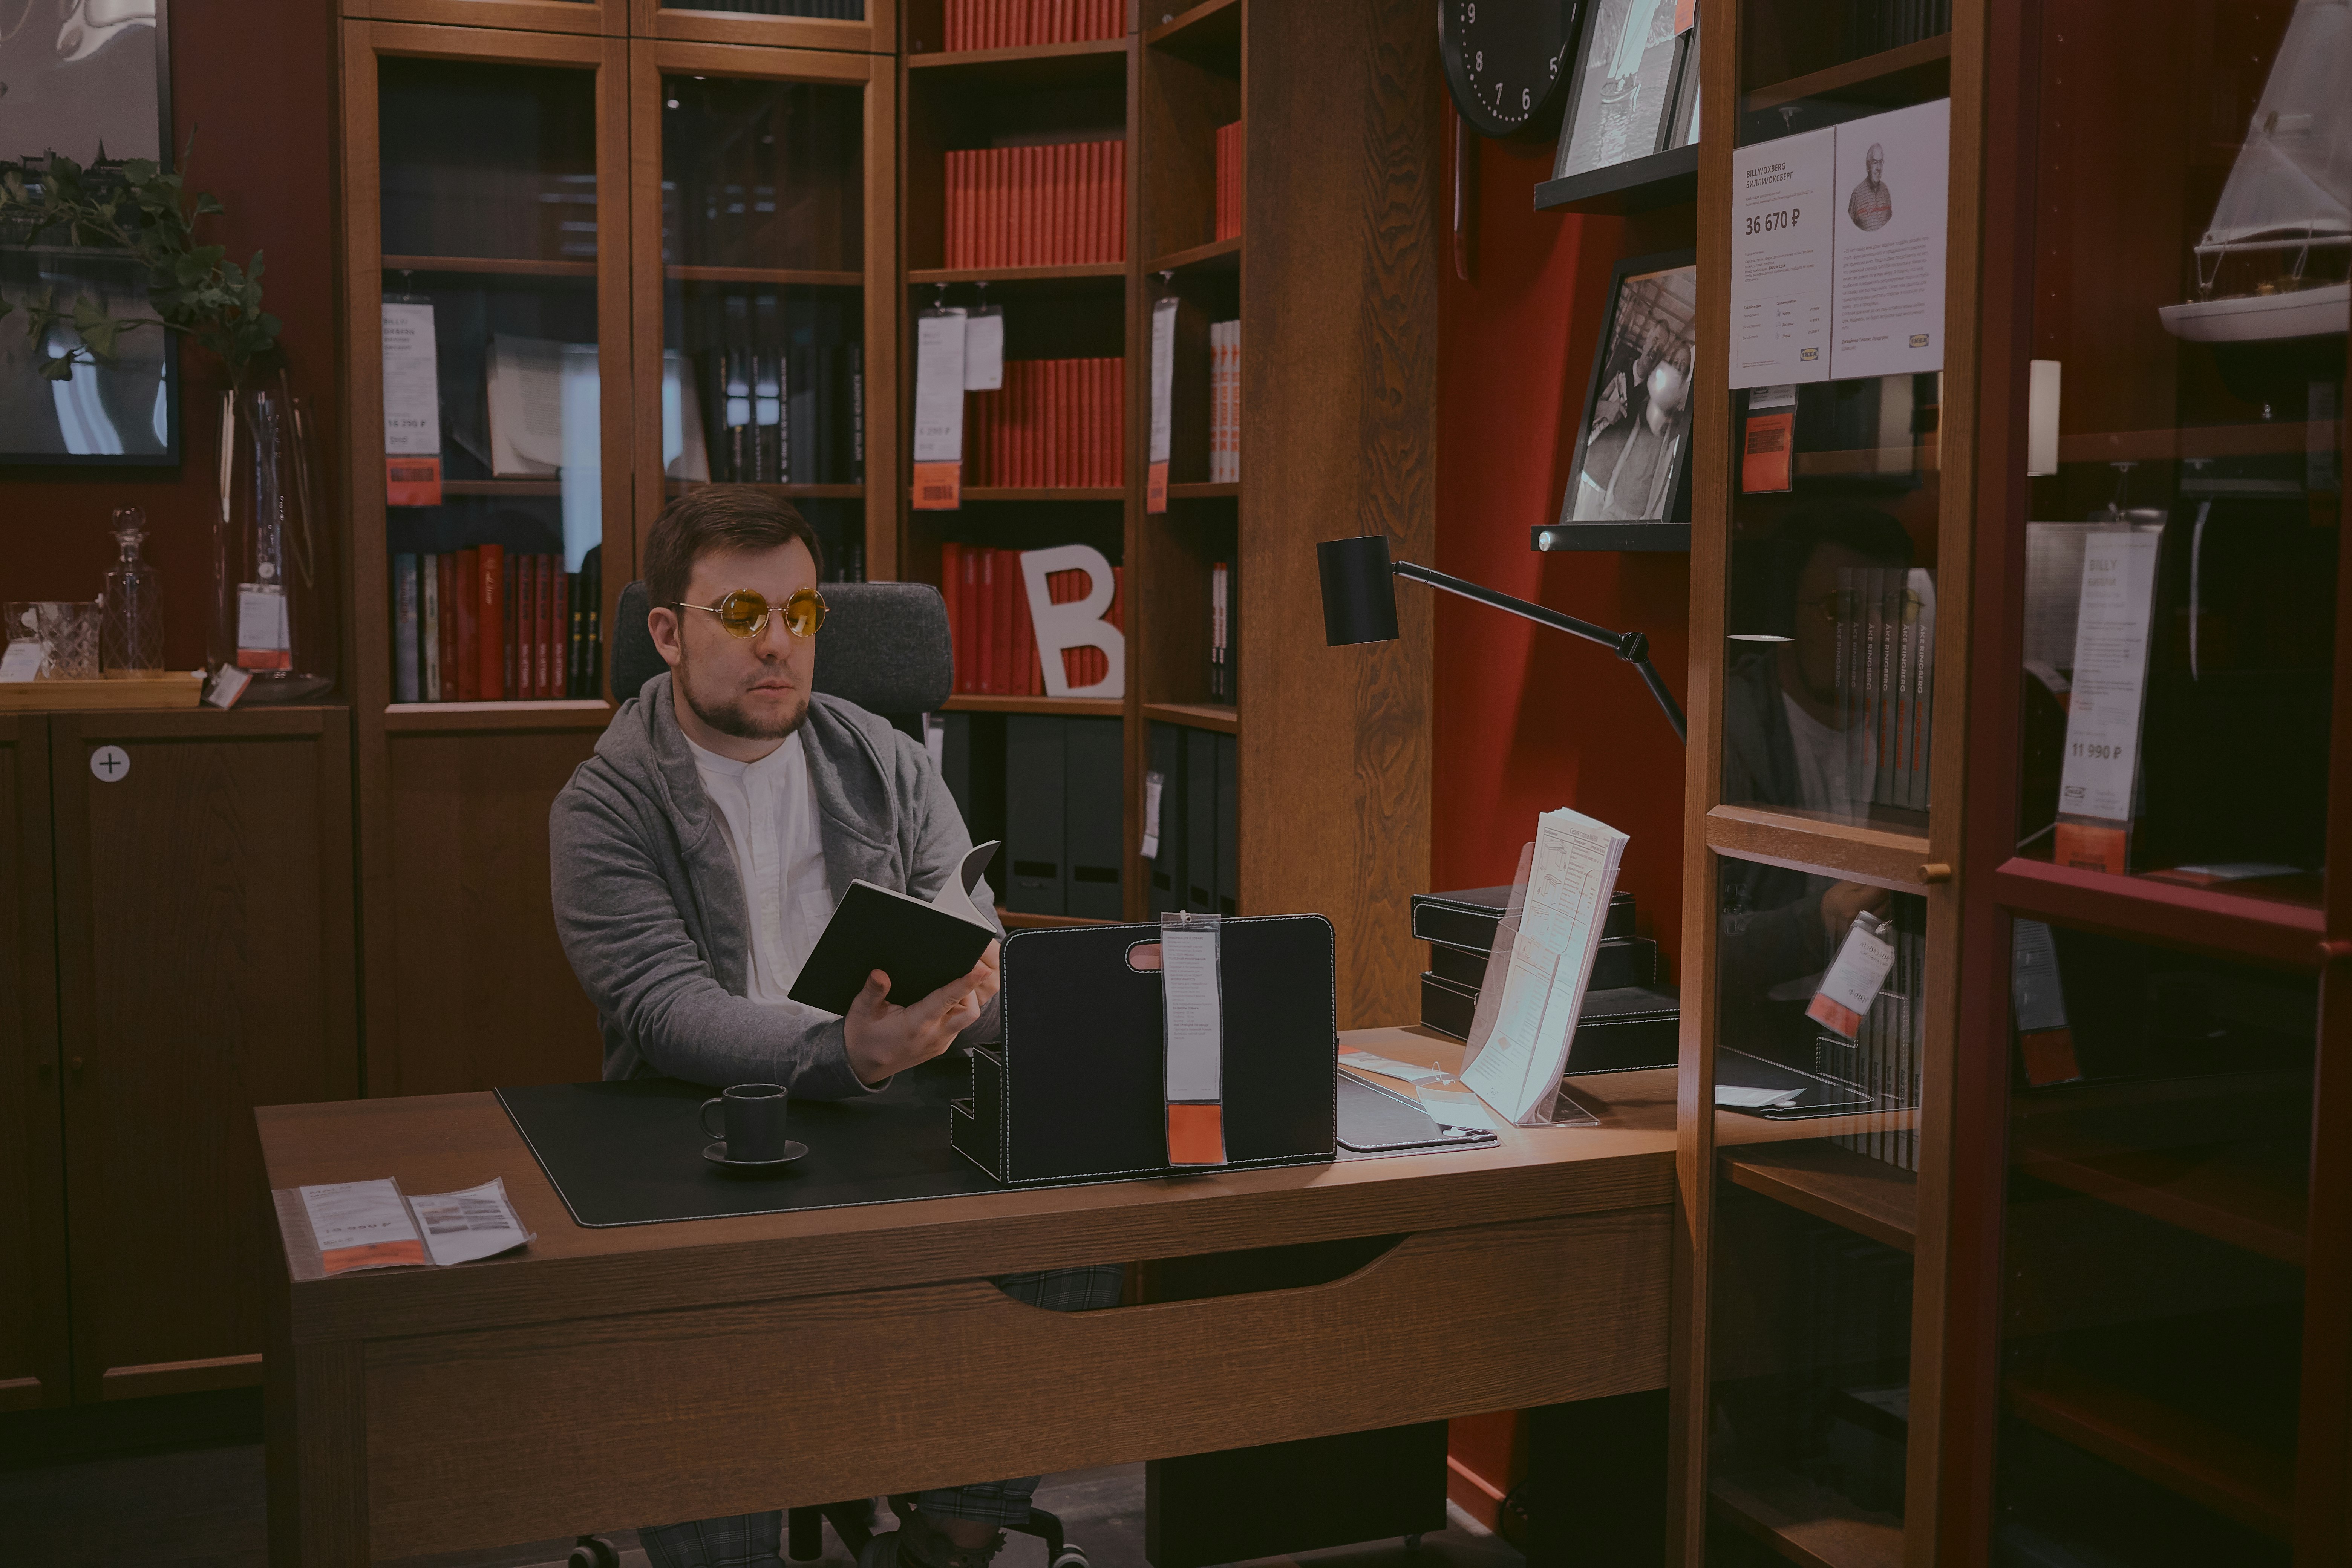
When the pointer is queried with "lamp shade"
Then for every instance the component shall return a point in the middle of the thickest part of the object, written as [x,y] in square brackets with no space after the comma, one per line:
[1359,593]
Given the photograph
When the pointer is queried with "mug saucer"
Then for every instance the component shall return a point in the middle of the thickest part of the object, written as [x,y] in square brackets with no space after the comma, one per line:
[717,1154]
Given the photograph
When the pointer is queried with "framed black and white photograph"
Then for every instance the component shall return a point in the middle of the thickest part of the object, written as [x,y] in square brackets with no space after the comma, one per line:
[1628,84]
[1629,488]
[85,79]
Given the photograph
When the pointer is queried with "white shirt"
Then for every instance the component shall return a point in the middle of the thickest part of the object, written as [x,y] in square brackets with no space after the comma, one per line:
[1835,768]
[768,811]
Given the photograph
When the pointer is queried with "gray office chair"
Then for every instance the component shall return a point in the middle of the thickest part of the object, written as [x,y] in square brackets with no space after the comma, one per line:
[884,646]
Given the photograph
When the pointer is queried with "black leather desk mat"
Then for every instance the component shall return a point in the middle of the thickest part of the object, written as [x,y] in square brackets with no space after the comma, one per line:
[631,1152]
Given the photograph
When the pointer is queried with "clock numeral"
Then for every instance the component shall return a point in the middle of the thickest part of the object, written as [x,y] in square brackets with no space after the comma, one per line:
[1527,100]
[1478,62]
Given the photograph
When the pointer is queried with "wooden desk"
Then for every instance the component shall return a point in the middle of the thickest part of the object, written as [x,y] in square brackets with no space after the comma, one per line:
[605,1379]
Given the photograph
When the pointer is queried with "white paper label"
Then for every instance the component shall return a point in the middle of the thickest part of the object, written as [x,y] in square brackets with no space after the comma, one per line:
[1163,375]
[357,1214]
[477,1223]
[938,386]
[412,390]
[1153,784]
[23,660]
[1860,968]
[2110,670]
[1780,260]
[1195,1022]
[983,350]
[261,618]
[1887,317]
[228,683]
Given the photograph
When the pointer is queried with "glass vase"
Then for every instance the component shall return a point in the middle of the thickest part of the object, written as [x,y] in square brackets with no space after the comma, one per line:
[133,634]
[269,589]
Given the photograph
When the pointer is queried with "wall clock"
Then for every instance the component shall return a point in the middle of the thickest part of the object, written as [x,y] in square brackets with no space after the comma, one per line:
[1506,62]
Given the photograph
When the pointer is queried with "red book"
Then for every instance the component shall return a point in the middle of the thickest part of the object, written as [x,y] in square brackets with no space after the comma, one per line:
[950,570]
[523,579]
[550,625]
[1032,471]
[1008,572]
[985,195]
[951,178]
[445,567]
[970,615]
[470,612]
[1008,433]
[1024,633]
[1098,213]
[1073,416]
[987,649]
[534,625]
[1098,415]
[1118,251]
[490,621]
[1025,178]
[509,637]
[1065,204]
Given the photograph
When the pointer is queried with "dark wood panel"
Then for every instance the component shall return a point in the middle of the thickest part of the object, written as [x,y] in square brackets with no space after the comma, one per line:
[1339,309]
[204,957]
[33,1367]
[481,994]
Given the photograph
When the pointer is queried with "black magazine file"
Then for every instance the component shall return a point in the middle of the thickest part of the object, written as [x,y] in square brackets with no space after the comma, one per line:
[1076,1088]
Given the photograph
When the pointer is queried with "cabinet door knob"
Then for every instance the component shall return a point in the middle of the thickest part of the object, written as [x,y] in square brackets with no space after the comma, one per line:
[1934,872]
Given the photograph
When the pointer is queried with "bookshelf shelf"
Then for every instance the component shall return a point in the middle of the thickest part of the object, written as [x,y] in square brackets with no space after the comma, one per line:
[1868,1197]
[2222,1469]
[1043,492]
[1808,1524]
[1042,68]
[1662,179]
[790,492]
[1843,78]
[460,718]
[2255,1196]
[2270,930]
[1224,719]
[782,277]
[1067,707]
[502,487]
[1872,852]
[1213,26]
[1204,492]
[1019,920]
[492,265]
[929,277]
[1217,256]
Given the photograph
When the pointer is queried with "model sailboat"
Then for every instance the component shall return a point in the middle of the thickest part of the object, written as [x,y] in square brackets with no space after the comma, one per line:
[2289,194]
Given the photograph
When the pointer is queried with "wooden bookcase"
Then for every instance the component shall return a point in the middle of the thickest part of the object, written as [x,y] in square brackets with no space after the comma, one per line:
[1332,281]
[1997,1315]
[465,984]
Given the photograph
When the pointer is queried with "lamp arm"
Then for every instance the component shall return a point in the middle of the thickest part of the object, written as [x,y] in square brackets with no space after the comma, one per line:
[1634,647]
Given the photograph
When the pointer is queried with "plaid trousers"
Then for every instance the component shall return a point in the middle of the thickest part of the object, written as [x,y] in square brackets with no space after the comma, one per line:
[753,1540]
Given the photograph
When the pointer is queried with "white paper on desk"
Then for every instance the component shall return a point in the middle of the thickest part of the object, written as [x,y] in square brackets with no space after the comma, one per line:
[477,1223]
[1387,1067]
[1744,1099]
[1450,1104]
[361,1224]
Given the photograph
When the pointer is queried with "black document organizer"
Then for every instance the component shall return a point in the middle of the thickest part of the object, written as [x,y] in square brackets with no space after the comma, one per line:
[1078,1089]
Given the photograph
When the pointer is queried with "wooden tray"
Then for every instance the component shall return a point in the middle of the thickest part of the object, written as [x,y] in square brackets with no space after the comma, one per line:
[173,691]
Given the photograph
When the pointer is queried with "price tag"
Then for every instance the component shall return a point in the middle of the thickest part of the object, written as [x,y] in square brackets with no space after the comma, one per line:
[263,640]
[1780,259]
[939,410]
[983,349]
[1193,1015]
[2110,637]
[412,406]
[1153,784]
[23,660]
[1163,390]
[1855,977]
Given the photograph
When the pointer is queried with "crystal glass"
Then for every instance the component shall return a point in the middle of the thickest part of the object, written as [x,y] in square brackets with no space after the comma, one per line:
[132,633]
[68,628]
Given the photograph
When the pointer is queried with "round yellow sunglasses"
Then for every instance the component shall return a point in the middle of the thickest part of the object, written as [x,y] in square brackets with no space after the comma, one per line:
[744,613]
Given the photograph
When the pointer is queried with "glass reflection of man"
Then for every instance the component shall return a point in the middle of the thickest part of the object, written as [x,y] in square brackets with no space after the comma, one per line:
[1787,742]
[1871,204]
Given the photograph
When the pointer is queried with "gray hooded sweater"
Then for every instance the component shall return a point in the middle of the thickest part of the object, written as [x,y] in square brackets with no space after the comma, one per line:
[652,912]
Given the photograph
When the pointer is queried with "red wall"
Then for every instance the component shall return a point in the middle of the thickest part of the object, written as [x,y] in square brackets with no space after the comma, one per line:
[1529,718]
[254,81]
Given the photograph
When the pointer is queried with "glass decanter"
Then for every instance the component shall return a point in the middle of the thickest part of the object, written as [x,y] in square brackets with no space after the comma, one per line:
[132,633]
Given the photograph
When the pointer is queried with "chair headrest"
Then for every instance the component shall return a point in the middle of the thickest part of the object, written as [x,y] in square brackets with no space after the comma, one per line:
[884,646]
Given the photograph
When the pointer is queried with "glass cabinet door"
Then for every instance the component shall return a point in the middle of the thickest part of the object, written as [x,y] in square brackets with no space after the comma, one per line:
[494,362]
[761,245]
[2176,559]
[1827,1013]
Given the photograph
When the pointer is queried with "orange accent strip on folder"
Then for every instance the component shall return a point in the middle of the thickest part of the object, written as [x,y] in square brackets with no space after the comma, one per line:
[1196,1134]
[1155,493]
[372,1254]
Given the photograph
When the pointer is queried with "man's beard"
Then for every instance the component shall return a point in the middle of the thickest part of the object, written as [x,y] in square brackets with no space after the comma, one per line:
[729,719]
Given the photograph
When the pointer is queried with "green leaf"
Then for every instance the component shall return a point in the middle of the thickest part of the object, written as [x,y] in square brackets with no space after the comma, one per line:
[58,369]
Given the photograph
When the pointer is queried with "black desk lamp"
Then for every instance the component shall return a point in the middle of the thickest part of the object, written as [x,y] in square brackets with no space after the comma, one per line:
[1360,605]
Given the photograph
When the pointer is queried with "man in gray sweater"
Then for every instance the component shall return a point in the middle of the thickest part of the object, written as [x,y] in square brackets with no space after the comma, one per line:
[696,857]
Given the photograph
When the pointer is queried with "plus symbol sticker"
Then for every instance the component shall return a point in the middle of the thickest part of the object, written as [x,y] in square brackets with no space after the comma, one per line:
[110,763]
